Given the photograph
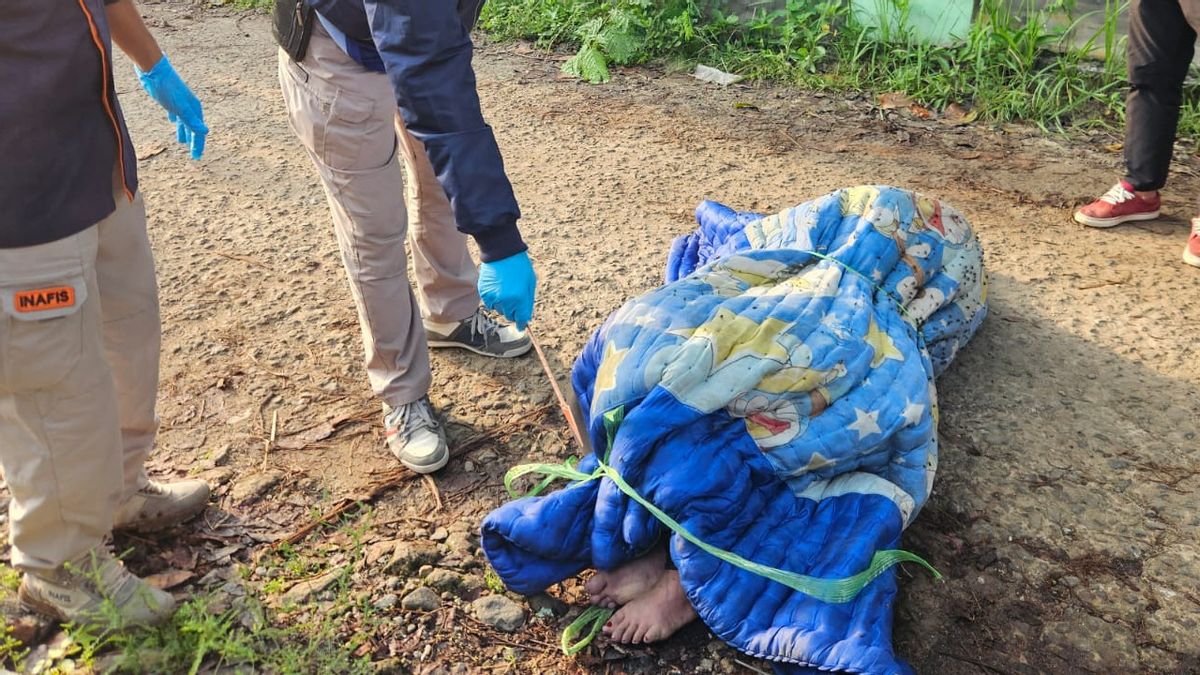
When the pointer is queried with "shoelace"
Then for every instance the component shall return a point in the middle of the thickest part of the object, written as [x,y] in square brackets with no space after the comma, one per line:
[484,326]
[1117,195]
[412,416]
[153,489]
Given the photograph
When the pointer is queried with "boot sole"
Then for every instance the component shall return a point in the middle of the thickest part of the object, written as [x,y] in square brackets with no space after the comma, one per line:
[1104,223]
[510,354]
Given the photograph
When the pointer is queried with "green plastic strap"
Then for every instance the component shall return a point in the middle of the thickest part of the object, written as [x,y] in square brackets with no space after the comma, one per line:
[591,620]
[869,280]
[828,590]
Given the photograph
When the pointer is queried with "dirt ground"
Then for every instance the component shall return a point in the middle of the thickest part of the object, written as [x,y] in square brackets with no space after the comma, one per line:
[1065,514]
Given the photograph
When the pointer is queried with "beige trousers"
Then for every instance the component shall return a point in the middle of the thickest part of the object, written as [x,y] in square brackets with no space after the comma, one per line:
[79,342]
[346,117]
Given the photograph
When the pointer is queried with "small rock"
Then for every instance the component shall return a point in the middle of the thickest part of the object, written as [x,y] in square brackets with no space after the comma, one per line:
[408,557]
[440,534]
[387,602]
[307,589]
[1070,581]
[424,571]
[468,466]
[445,580]
[377,550]
[705,666]
[219,457]
[499,612]
[421,600]
[253,487]
[459,542]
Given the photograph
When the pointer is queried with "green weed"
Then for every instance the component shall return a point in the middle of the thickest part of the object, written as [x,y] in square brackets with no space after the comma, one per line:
[229,634]
[1021,61]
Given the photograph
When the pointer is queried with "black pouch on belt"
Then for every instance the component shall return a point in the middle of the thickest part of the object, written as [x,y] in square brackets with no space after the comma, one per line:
[291,24]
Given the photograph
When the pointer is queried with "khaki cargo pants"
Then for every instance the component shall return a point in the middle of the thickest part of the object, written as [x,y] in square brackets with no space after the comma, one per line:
[79,343]
[347,119]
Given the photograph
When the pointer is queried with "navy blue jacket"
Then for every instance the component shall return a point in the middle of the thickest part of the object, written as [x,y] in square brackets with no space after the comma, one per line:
[61,129]
[426,50]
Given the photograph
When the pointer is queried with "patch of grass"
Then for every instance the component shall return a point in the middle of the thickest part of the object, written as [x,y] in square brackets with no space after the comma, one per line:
[1018,62]
[250,4]
[493,581]
[218,632]
[10,579]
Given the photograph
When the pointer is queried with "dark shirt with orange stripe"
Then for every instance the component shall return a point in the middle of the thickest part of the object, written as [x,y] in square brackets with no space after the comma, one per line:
[61,129]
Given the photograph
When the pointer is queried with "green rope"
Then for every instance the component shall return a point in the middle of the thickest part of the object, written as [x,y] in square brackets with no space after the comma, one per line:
[899,305]
[833,591]
[592,620]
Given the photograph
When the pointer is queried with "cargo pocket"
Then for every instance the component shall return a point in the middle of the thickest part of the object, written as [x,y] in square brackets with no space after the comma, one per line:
[41,333]
[359,135]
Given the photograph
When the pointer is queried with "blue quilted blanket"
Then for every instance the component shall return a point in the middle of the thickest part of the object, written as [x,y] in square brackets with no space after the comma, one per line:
[779,404]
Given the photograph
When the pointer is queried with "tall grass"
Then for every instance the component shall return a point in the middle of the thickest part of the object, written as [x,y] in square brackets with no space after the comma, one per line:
[1017,62]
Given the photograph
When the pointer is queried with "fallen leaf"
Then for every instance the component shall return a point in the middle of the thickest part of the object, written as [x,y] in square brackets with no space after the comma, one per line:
[895,100]
[302,439]
[919,111]
[744,106]
[169,579]
[959,115]
[181,557]
[222,554]
[151,151]
[1114,147]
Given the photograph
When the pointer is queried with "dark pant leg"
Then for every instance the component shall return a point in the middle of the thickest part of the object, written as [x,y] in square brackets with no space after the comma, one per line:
[1161,44]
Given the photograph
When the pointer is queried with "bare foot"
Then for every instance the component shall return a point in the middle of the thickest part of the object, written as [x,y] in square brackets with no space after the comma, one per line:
[654,616]
[629,581]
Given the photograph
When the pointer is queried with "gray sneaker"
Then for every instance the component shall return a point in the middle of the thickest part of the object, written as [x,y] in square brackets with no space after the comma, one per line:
[77,592]
[482,334]
[415,436]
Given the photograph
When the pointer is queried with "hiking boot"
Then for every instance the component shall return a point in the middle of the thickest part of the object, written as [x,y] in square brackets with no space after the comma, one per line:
[77,591]
[1119,205]
[415,437]
[1191,253]
[480,333]
[160,505]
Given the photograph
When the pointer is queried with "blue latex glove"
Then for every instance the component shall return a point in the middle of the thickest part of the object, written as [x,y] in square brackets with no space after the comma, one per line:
[508,286]
[182,106]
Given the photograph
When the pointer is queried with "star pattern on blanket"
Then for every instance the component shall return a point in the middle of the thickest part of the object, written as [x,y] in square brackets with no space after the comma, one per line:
[866,423]
[882,344]
[606,374]
[913,412]
[734,335]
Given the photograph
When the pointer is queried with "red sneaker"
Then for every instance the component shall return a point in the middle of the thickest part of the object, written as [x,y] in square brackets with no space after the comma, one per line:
[1191,254]
[1119,205]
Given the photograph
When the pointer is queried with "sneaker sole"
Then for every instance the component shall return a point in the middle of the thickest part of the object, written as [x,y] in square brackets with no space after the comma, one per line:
[427,468]
[1191,259]
[1084,219]
[512,353]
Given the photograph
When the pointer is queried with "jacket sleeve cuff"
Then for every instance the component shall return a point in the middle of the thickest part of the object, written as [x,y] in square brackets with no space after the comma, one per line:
[498,243]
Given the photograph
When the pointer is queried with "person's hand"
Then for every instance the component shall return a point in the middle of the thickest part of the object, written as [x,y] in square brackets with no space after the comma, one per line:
[163,85]
[507,286]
